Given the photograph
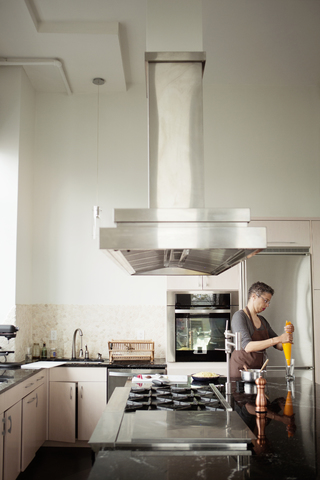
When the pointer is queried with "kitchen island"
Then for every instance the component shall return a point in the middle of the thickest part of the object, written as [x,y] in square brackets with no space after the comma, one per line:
[285,449]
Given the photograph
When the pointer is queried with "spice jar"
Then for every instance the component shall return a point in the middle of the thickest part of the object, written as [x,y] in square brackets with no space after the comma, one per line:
[36,351]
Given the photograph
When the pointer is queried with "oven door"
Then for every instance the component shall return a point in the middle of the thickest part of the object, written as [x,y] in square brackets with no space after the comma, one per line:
[199,335]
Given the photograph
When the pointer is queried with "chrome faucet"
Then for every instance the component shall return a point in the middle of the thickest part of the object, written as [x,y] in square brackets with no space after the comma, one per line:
[73,356]
[228,335]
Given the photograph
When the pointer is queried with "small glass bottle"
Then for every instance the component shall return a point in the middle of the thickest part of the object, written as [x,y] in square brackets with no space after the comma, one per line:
[53,352]
[29,355]
[44,352]
[36,351]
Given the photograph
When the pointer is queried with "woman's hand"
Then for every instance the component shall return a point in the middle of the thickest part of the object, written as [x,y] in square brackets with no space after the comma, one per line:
[289,328]
[286,338]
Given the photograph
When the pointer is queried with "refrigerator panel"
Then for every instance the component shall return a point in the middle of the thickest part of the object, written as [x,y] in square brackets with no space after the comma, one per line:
[290,277]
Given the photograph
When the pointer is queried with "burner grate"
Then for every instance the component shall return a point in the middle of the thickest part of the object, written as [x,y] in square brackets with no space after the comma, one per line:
[173,397]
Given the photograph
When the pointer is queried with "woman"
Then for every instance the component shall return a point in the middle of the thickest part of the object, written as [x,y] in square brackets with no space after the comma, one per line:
[256,333]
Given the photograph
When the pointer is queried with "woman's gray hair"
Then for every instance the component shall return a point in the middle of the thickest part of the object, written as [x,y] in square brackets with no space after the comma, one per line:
[259,288]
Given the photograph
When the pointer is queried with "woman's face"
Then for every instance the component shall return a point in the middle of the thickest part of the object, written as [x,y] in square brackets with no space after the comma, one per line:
[261,302]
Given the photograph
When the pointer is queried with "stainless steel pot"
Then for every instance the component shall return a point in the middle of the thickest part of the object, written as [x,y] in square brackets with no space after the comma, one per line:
[251,375]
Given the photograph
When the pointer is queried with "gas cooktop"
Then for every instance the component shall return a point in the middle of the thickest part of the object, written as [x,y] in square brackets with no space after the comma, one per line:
[176,397]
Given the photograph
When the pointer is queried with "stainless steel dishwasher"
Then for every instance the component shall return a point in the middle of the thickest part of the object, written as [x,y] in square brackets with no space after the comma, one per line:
[117,377]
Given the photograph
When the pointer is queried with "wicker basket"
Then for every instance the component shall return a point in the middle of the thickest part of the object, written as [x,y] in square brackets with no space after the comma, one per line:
[123,350]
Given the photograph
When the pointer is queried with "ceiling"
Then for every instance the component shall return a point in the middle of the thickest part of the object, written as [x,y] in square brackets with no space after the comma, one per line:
[64,44]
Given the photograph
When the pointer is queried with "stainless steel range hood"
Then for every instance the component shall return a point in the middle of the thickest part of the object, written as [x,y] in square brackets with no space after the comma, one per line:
[177,235]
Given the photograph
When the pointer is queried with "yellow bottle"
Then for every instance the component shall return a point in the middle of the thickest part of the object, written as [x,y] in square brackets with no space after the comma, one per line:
[287,349]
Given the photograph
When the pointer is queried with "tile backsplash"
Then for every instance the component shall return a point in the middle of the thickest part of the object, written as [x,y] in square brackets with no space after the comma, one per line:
[99,324]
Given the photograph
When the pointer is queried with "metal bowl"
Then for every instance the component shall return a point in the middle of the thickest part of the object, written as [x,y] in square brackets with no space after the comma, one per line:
[251,375]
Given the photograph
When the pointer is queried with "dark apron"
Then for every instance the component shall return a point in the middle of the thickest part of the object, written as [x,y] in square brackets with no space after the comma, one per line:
[239,358]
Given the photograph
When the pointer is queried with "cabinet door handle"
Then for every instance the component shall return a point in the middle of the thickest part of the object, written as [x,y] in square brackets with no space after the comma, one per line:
[3,426]
[29,385]
[32,400]
[36,400]
[200,282]
[10,420]
[70,393]
[81,392]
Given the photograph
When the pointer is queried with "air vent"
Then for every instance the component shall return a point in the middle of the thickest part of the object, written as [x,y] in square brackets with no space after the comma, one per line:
[286,250]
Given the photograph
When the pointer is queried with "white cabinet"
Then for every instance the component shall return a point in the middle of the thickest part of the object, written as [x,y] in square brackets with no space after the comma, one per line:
[228,280]
[81,387]
[22,433]
[33,424]
[91,403]
[12,442]
[62,411]
[285,233]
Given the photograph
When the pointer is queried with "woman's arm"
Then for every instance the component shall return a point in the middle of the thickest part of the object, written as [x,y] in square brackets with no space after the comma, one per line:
[255,346]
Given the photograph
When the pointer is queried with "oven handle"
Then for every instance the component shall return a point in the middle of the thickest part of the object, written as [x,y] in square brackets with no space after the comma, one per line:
[202,311]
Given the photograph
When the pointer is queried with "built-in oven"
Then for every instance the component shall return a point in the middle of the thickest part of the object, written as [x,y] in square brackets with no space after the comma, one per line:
[196,322]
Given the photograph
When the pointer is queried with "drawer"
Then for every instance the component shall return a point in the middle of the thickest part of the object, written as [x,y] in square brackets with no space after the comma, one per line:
[78,374]
[21,390]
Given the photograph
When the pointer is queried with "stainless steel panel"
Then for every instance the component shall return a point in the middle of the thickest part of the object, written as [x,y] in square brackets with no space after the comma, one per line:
[106,431]
[191,427]
[184,249]
[176,57]
[119,377]
[223,215]
[290,276]
[176,135]
[182,237]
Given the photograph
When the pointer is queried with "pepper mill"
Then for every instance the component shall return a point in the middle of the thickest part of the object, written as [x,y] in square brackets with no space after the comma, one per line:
[261,410]
[261,401]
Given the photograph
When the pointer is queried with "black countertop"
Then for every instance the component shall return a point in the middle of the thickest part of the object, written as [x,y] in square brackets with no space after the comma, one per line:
[288,451]
[11,377]
[12,374]
[158,363]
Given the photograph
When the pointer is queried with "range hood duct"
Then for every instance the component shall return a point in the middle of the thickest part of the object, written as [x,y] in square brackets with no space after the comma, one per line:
[177,235]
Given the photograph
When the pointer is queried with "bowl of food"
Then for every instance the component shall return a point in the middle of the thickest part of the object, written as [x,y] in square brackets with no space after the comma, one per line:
[252,374]
[205,377]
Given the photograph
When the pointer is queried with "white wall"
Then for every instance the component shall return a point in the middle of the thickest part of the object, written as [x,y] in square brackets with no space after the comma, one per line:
[262,149]
[10,85]
[68,266]
[25,199]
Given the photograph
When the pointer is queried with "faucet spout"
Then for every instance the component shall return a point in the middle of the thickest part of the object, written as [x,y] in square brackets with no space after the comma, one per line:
[73,355]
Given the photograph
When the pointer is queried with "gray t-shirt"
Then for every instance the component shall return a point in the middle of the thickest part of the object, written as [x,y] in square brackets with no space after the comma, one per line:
[241,323]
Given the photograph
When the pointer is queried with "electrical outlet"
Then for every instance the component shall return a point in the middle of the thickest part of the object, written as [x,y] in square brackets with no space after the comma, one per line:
[53,334]
[140,334]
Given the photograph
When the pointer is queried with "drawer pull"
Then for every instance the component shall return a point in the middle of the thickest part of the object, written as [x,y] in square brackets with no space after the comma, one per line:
[10,420]
[40,378]
[29,385]
[32,400]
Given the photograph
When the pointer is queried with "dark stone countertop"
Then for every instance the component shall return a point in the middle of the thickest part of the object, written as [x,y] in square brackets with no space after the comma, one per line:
[12,374]
[158,363]
[11,377]
[288,451]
